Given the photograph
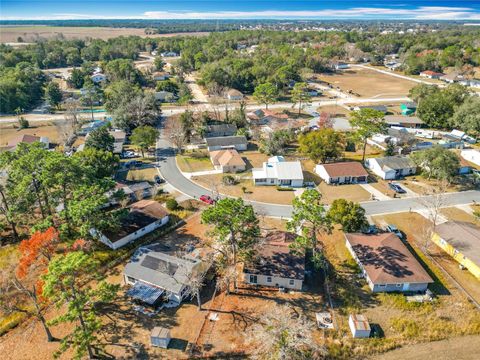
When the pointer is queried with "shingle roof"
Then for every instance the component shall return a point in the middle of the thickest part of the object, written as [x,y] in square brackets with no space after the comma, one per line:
[386,259]
[395,162]
[229,157]
[349,168]
[277,259]
[160,269]
[226,140]
[25,138]
[397,119]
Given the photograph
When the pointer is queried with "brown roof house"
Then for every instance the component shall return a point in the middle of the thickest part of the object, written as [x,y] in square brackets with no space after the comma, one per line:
[386,263]
[350,172]
[144,217]
[27,139]
[275,264]
[227,160]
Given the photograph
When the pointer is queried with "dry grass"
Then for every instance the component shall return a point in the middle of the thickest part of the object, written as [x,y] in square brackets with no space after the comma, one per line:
[188,163]
[350,192]
[457,214]
[369,83]
[10,131]
[32,33]
[142,174]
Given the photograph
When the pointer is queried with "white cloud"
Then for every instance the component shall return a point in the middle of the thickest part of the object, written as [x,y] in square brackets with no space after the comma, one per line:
[419,13]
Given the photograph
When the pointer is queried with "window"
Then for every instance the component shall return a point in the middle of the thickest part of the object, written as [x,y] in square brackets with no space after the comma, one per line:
[382,285]
[291,282]
[253,279]
[398,285]
[269,279]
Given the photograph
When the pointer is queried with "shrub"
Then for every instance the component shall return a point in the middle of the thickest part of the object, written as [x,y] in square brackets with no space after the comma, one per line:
[284,188]
[23,123]
[188,205]
[228,180]
[172,204]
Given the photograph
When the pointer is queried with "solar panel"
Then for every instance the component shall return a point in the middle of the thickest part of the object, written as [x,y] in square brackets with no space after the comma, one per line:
[160,265]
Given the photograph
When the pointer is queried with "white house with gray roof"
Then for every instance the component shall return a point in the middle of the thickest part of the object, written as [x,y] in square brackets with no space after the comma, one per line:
[227,142]
[156,275]
[391,167]
[278,172]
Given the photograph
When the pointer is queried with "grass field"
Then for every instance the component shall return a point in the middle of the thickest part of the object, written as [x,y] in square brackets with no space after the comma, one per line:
[10,131]
[369,83]
[32,33]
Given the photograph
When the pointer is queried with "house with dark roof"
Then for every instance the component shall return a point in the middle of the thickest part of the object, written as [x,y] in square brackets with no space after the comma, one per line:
[217,130]
[461,240]
[386,263]
[404,121]
[227,142]
[157,275]
[143,217]
[350,172]
[391,167]
[381,108]
[276,265]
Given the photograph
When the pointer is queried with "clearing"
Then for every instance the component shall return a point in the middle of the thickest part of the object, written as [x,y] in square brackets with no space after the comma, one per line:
[368,83]
[31,33]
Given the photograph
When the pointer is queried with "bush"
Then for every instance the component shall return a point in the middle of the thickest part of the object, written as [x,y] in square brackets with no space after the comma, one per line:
[172,204]
[228,180]
[23,123]
[284,188]
[189,205]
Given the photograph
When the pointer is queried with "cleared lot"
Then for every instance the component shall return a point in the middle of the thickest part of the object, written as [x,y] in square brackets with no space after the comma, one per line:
[369,83]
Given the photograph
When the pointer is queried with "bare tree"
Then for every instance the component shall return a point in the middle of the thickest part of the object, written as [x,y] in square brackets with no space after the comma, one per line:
[174,131]
[281,333]
[432,202]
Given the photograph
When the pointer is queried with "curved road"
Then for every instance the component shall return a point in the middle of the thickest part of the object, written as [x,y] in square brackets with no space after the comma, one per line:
[170,172]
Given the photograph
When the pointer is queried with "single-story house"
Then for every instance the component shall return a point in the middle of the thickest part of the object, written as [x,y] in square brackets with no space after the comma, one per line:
[359,326]
[341,66]
[471,155]
[277,171]
[408,108]
[451,78]
[276,264]
[169,54]
[157,276]
[165,96]
[92,125]
[133,192]
[227,142]
[264,117]
[381,108]
[393,65]
[350,172]
[217,130]
[144,217]
[227,160]
[461,240]
[431,74]
[160,76]
[120,137]
[391,167]
[386,263]
[405,121]
[98,78]
[27,139]
[234,95]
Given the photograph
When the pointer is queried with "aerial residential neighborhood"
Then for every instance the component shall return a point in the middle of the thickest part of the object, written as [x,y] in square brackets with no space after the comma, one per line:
[256,180]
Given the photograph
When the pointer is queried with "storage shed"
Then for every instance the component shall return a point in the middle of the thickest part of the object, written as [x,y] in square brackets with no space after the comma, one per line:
[359,326]
[160,337]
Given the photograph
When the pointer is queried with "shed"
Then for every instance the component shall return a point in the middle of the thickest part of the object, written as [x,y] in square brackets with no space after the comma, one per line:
[160,337]
[359,326]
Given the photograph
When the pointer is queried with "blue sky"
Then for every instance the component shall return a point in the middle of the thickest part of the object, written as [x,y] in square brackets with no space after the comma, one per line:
[240,9]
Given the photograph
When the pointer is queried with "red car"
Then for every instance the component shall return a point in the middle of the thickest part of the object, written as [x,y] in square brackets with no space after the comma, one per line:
[207,199]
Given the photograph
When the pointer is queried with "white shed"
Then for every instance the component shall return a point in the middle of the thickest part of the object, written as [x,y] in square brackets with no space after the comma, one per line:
[160,337]
[359,326]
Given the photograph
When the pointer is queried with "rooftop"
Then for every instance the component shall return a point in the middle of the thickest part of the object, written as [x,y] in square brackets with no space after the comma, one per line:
[228,157]
[395,162]
[158,268]
[226,140]
[386,259]
[398,119]
[350,168]
[463,236]
[278,168]
[275,258]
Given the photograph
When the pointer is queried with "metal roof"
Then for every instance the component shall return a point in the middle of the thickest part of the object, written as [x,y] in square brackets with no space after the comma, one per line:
[146,293]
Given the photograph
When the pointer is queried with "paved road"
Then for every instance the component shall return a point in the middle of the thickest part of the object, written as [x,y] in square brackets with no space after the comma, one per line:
[170,172]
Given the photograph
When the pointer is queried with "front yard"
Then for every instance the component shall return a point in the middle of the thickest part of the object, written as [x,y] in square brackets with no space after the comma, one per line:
[194,161]
[350,192]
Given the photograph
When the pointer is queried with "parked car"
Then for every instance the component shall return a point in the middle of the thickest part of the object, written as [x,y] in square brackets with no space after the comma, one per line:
[128,154]
[393,229]
[158,179]
[397,188]
[207,199]
[371,229]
